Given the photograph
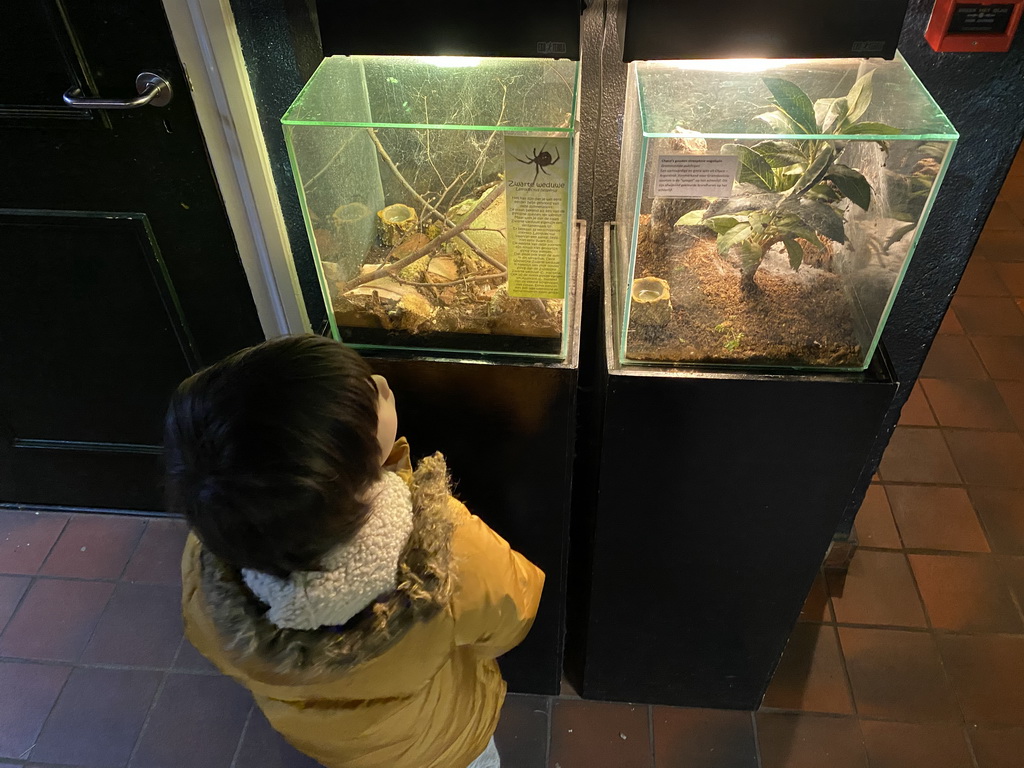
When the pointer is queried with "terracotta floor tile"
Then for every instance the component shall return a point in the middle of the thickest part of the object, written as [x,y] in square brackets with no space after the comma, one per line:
[1002,217]
[986,671]
[1013,571]
[897,675]
[55,619]
[915,745]
[966,593]
[1001,511]
[878,589]
[936,517]
[157,558]
[998,747]
[1012,276]
[810,677]
[98,717]
[971,403]
[916,412]
[816,607]
[263,747]
[591,733]
[953,357]
[522,735]
[989,316]
[981,279]
[701,738]
[29,691]
[918,455]
[210,710]
[153,612]
[875,526]
[1012,393]
[809,741]
[1000,245]
[1003,356]
[12,589]
[190,660]
[26,538]
[94,547]
[950,323]
[987,458]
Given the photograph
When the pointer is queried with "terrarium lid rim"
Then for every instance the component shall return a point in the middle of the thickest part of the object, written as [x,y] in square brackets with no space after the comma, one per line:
[951,135]
[427,126]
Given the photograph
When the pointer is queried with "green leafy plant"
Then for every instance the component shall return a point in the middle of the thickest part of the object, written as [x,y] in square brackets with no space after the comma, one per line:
[790,191]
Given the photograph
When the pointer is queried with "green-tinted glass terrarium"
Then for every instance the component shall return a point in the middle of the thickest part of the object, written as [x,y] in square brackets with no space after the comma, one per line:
[438,197]
[767,210]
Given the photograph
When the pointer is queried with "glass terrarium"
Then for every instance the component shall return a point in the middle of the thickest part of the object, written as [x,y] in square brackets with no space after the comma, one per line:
[767,210]
[438,198]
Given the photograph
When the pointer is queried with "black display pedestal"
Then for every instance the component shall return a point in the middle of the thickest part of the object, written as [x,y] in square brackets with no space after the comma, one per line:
[507,428]
[717,495]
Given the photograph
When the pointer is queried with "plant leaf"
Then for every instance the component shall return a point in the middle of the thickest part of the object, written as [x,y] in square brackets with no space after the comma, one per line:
[793,102]
[876,129]
[821,110]
[722,224]
[778,122]
[750,254]
[824,192]
[745,204]
[796,253]
[791,226]
[819,216]
[779,154]
[851,183]
[691,219]
[815,171]
[836,117]
[754,169]
[735,235]
[859,97]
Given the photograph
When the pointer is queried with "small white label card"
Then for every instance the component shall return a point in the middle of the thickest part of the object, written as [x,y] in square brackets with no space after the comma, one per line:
[696,175]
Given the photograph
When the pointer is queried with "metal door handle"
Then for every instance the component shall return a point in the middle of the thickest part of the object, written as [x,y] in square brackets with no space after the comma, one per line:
[153,90]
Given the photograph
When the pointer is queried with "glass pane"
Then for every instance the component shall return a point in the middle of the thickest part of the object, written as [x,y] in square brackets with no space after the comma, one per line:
[438,197]
[775,209]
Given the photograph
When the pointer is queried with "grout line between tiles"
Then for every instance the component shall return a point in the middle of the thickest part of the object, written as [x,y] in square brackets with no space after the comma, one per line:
[17,606]
[241,737]
[650,734]
[547,744]
[757,739]
[145,721]
[27,755]
[135,547]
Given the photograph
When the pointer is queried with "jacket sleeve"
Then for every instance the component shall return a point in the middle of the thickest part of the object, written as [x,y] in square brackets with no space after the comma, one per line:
[496,590]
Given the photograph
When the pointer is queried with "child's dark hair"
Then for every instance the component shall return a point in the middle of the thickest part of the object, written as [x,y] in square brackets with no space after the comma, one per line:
[267,452]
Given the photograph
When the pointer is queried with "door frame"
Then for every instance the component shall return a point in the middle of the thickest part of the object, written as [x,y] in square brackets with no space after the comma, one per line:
[210,51]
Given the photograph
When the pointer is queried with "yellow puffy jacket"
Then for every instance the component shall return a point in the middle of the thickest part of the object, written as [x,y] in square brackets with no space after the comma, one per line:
[411,681]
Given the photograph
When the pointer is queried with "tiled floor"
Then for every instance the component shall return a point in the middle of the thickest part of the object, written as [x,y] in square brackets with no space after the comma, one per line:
[915,659]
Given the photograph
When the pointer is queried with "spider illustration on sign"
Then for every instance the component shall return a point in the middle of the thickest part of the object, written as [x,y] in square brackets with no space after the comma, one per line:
[540,161]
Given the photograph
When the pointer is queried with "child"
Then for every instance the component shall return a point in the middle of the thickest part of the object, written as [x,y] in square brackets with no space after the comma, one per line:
[359,602]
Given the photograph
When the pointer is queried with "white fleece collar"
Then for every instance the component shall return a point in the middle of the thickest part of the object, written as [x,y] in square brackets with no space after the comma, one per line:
[356,573]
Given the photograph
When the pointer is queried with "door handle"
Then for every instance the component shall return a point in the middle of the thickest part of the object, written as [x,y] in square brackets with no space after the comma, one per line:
[153,90]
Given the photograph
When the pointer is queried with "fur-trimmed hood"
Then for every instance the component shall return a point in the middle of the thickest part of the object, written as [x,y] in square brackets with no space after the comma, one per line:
[424,586]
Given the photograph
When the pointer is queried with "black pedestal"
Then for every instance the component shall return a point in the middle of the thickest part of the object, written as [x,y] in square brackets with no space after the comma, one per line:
[507,429]
[717,496]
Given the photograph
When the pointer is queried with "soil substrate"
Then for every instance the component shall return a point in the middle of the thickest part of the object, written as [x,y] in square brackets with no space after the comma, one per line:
[796,319]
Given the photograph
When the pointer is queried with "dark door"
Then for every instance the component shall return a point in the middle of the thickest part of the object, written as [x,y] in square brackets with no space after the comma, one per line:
[119,274]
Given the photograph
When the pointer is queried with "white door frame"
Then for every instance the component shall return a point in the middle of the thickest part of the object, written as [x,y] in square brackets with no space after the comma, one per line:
[208,46]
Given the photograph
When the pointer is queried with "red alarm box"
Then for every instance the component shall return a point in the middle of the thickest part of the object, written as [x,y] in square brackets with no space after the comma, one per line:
[976,25]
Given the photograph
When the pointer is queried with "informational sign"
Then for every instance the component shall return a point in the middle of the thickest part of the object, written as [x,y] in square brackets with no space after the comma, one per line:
[537,203]
[695,175]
